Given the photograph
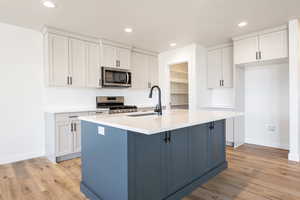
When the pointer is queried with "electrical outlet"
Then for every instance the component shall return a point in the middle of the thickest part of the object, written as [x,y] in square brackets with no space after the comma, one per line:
[101,130]
[271,128]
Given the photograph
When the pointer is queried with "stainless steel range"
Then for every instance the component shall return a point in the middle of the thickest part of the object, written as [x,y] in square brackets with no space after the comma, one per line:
[115,104]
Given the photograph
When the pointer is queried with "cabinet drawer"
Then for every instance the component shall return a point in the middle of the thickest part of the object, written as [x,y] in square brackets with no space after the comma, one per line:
[64,117]
[98,112]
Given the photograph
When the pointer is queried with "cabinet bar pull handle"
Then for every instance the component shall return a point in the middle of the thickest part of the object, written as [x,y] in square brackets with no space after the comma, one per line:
[169,138]
[68,80]
[259,55]
[166,138]
[222,82]
[75,127]
[211,125]
[71,80]
[73,116]
[72,129]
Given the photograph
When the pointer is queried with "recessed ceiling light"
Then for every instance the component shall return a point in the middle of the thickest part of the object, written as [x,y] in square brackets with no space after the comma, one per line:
[173,44]
[48,3]
[128,30]
[242,24]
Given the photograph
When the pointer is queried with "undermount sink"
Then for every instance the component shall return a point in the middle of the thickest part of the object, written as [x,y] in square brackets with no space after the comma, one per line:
[141,114]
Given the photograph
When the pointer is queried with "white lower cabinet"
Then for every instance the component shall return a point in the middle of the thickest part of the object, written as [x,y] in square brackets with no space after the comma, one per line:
[63,135]
[77,137]
[64,144]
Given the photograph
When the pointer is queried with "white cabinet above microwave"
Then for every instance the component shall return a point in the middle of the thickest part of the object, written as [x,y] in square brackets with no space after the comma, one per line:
[115,56]
[266,45]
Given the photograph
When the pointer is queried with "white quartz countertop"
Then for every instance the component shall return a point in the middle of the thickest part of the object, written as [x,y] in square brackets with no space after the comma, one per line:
[170,120]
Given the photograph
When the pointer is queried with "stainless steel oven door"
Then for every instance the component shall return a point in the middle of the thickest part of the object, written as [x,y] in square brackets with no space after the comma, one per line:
[113,77]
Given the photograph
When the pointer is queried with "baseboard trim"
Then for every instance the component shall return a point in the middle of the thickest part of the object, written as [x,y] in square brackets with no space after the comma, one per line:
[21,157]
[278,146]
[294,157]
[68,157]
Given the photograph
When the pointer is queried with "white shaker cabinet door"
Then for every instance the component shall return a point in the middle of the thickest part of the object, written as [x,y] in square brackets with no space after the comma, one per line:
[58,61]
[93,65]
[227,67]
[64,139]
[139,71]
[274,45]
[214,68]
[245,50]
[153,71]
[109,55]
[77,137]
[77,63]
[123,58]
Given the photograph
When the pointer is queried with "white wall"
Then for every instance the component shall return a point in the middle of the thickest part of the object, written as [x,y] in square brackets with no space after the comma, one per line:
[21,87]
[85,98]
[223,97]
[266,104]
[195,55]
[24,96]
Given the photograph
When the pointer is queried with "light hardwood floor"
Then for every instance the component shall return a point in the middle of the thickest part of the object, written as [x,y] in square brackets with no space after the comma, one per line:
[254,173]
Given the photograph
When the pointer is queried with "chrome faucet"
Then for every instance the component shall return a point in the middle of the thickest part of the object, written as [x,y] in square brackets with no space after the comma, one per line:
[158,107]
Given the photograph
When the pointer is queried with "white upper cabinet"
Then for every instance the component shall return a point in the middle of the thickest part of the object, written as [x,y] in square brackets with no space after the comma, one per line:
[153,71]
[77,70]
[245,50]
[220,67]
[109,55]
[123,58]
[71,61]
[139,69]
[93,65]
[115,56]
[57,56]
[262,46]
[144,70]
[274,45]
[227,67]
[214,71]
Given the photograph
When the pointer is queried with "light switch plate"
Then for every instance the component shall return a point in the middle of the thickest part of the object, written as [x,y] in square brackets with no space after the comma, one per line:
[101,130]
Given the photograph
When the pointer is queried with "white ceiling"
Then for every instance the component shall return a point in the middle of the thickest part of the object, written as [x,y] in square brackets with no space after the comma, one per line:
[155,23]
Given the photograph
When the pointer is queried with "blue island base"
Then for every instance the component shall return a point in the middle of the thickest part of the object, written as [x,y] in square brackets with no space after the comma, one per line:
[124,165]
[186,190]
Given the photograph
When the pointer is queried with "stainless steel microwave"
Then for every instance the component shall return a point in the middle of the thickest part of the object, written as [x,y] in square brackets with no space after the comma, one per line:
[114,77]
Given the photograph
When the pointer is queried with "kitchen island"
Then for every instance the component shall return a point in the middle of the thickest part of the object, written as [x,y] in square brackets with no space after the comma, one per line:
[151,157]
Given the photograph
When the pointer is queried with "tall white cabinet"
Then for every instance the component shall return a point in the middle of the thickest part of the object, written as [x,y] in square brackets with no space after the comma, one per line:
[220,67]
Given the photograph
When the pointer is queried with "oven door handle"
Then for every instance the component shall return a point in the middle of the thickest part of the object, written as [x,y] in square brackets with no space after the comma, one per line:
[127,75]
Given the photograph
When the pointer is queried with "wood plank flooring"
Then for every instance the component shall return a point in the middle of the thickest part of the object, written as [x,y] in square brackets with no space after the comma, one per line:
[254,173]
